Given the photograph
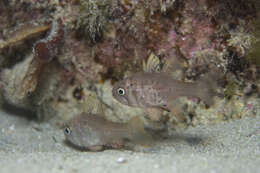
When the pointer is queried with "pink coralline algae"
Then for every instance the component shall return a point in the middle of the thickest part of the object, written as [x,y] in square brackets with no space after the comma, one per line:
[129,31]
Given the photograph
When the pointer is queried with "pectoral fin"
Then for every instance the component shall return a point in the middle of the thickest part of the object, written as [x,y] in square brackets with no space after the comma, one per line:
[176,110]
[154,114]
[137,129]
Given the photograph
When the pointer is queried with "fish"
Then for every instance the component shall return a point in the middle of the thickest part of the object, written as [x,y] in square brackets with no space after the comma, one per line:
[159,90]
[95,133]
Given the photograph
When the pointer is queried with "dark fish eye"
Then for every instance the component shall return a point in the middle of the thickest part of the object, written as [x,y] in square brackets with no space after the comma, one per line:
[67,130]
[121,91]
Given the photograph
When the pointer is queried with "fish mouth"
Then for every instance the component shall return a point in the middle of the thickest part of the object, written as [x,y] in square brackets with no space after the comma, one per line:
[113,93]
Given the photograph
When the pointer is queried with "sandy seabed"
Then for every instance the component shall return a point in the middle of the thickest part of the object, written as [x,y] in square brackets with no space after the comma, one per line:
[30,147]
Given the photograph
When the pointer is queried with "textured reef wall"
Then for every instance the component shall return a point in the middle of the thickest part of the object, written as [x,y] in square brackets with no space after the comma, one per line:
[60,58]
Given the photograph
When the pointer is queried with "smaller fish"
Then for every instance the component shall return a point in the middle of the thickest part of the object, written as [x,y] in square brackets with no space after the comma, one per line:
[95,133]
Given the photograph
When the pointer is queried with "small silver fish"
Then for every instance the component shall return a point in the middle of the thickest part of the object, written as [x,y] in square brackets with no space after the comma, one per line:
[159,90]
[95,133]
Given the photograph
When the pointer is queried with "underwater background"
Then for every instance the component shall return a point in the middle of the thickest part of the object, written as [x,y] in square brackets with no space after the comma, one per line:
[60,59]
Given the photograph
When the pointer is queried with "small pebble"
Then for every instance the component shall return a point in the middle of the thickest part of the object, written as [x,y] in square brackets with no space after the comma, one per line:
[121,160]
[156,166]
[12,127]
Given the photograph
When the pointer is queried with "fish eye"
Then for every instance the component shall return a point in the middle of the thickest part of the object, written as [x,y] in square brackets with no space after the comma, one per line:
[121,91]
[67,130]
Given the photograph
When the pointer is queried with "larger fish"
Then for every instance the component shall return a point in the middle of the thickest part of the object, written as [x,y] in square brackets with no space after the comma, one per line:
[95,133]
[159,90]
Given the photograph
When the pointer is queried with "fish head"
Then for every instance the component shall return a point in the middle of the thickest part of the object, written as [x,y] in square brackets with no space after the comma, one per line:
[121,91]
[133,91]
[79,134]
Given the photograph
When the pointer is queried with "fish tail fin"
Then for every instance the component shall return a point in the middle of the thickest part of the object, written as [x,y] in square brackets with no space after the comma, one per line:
[207,87]
[137,129]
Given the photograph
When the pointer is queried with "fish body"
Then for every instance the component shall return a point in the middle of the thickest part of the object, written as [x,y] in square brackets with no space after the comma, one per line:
[94,132]
[158,90]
